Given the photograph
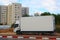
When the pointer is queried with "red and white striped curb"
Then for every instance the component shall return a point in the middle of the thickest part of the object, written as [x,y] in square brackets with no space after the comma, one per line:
[32,37]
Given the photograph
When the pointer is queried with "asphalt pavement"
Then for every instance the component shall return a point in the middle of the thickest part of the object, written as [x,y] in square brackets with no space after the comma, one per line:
[14,34]
[14,39]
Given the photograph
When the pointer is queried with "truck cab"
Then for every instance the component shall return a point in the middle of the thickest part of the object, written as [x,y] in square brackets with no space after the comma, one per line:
[16,26]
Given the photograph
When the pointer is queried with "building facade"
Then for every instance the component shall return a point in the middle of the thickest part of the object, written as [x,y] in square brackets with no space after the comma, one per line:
[3,14]
[25,10]
[14,13]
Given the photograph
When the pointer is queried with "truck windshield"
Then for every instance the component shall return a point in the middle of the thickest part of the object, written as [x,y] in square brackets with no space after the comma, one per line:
[15,25]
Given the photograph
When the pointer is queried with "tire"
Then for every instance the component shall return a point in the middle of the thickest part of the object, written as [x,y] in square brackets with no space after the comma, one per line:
[42,33]
[18,32]
[52,34]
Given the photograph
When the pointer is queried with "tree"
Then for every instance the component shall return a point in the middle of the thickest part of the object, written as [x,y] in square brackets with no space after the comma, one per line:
[25,15]
[58,18]
[45,13]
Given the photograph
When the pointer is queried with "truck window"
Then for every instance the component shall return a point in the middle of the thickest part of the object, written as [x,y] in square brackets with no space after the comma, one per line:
[15,25]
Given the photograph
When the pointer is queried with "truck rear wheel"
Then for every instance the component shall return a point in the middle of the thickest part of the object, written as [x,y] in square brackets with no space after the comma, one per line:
[52,34]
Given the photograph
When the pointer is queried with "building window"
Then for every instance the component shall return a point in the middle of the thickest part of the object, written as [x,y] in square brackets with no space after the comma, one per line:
[18,16]
[15,16]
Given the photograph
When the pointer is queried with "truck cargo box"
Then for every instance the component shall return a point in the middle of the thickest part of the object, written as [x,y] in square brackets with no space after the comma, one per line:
[41,24]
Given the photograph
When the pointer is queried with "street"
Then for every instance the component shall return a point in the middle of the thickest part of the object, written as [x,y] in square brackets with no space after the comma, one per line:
[13,36]
[14,39]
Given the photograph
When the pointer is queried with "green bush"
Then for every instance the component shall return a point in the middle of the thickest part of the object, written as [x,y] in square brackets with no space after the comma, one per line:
[58,29]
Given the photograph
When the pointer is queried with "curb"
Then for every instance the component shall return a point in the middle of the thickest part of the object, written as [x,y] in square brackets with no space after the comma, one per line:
[32,37]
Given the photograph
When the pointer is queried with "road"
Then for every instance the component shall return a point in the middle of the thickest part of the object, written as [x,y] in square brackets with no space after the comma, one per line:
[14,34]
[26,39]
[14,39]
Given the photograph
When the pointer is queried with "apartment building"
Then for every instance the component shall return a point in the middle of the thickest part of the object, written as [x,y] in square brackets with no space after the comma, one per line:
[14,13]
[25,10]
[3,14]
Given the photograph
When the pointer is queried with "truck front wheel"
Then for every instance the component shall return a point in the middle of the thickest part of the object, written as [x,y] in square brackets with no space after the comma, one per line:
[18,32]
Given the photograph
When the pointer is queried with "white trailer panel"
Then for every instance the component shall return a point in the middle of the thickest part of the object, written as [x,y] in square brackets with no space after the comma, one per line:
[41,23]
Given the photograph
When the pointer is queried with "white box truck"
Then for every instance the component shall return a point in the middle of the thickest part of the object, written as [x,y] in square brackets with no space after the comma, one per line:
[40,24]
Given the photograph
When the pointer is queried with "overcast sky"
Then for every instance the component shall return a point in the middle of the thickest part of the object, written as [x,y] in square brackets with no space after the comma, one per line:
[52,6]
